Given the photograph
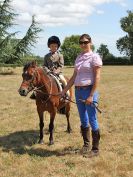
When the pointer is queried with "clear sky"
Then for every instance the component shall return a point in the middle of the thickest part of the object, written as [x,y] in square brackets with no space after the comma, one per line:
[99,18]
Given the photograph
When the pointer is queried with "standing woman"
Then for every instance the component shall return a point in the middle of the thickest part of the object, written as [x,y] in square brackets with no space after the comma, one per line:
[86,77]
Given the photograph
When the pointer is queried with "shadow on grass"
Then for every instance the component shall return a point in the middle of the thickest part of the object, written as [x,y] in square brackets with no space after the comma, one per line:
[22,143]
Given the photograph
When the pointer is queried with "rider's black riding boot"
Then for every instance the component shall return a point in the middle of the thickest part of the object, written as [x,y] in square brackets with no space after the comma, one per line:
[67,98]
[33,96]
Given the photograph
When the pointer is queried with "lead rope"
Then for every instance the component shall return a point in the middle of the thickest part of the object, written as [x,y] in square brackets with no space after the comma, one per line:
[94,104]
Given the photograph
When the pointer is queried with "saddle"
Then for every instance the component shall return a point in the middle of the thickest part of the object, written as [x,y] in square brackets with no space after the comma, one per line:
[55,77]
[58,81]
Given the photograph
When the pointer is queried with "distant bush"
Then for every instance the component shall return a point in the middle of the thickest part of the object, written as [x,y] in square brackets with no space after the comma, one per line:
[7,71]
[24,61]
[30,58]
[112,60]
[10,65]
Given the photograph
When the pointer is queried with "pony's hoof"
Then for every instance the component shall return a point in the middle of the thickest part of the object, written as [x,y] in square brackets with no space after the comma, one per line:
[51,143]
[69,130]
[40,142]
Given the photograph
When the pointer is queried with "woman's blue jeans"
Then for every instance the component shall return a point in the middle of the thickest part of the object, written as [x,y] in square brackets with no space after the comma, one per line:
[87,113]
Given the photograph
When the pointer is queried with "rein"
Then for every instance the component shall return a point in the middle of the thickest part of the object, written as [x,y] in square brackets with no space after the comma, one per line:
[37,89]
[94,104]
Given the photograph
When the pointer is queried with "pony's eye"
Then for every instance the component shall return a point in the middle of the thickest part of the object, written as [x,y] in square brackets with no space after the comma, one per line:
[30,76]
[26,76]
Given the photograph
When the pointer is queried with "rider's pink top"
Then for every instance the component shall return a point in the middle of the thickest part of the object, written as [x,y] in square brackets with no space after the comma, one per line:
[84,67]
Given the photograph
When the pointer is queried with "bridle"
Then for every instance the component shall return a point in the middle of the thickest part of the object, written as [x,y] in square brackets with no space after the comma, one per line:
[38,89]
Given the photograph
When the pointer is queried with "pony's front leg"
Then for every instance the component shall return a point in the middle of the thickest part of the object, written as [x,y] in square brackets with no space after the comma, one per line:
[51,128]
[41,125]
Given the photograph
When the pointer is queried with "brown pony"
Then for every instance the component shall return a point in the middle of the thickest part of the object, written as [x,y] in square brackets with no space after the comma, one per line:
[47,99]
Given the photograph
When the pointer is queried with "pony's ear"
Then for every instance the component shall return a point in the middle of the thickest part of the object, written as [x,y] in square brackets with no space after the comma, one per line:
[34,63]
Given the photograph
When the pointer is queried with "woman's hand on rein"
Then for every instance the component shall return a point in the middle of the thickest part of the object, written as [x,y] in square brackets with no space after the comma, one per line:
[89,100]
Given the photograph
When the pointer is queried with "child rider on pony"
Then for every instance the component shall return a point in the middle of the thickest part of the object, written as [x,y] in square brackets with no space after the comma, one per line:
[54,62]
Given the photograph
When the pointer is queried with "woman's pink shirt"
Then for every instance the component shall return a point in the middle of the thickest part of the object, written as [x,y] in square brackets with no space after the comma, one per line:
[84,64]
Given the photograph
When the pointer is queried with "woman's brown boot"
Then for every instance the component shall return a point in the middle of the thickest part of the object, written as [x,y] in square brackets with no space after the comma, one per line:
[95,144]
[86,137]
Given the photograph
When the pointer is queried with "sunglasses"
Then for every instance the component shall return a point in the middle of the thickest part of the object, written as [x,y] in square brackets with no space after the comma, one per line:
[84,42]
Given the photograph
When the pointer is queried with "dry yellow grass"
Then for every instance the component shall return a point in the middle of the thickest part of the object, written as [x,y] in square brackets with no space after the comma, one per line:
[20,156]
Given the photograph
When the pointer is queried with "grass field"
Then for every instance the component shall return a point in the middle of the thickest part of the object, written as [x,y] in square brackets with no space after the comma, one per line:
[21,156]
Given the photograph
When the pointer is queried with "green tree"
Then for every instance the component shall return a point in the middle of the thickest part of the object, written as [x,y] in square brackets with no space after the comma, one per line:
[23,46]
[125,44]
[7,17]
[103,51]
[12,49]
[70,49]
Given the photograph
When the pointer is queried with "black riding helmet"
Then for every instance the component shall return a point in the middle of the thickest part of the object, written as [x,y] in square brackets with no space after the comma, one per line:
[54,40]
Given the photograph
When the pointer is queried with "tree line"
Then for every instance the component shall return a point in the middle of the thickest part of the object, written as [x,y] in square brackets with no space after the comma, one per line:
[70,47]
[18,51]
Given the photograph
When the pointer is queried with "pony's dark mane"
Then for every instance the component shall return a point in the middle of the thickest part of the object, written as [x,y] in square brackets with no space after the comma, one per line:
[29,64]
[26,66]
